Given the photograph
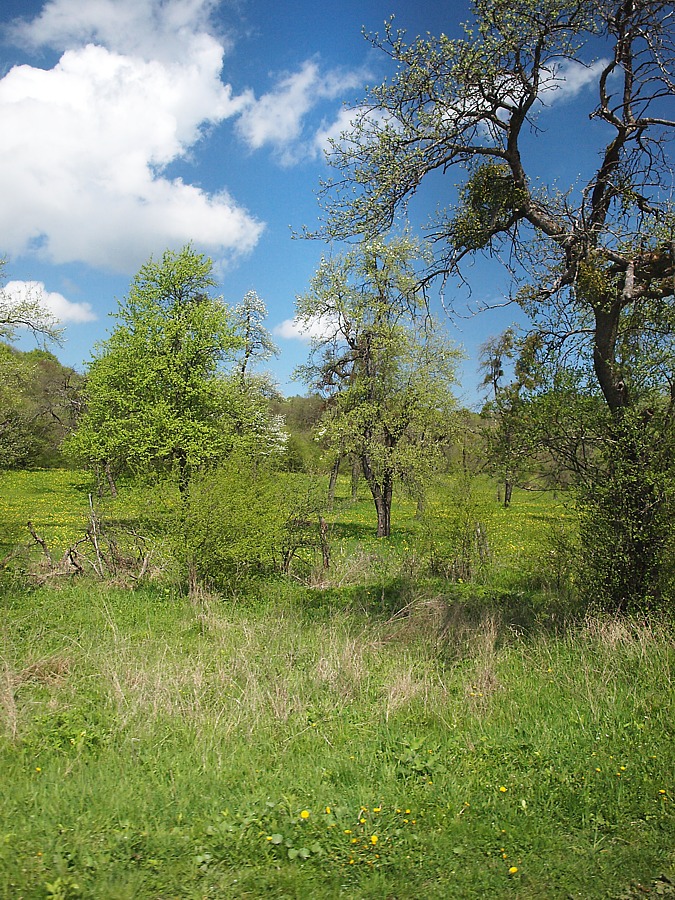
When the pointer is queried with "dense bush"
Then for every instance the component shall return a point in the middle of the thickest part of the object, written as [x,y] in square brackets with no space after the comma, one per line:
[247,519]
[627,530]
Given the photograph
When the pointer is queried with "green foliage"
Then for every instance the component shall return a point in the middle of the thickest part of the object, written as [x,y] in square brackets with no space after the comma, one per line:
[245,520]
[628,516]
[36,392]
[385,369]
[489,205]
[301,415]
[155,397]
[455,534]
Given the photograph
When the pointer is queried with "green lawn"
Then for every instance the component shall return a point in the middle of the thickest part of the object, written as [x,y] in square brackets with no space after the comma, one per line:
[317,741]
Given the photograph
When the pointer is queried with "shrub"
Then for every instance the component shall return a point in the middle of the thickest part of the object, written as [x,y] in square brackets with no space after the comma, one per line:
[245,520]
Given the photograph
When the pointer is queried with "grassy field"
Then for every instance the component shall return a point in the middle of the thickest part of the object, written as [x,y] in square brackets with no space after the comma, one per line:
[378,733]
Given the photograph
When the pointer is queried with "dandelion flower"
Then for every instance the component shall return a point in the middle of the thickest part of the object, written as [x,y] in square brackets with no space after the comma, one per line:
[373,839]
[513,870]
[304,814]
[502,789]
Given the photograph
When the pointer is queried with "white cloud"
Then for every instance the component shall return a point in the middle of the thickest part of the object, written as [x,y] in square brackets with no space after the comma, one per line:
[277,118]
[570,77]
[145,28]
[83,145]
[63,310]
[318,328]
[341,125]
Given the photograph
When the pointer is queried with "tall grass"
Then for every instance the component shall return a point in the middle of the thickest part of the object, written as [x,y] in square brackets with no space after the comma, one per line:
[153,747]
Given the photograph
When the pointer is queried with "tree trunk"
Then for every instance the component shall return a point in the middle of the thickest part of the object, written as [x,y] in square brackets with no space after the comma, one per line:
[604,356]
[333,480]
[382,496]
[356,473]
[508,491]
[383,514]
[111,479]
[325,546]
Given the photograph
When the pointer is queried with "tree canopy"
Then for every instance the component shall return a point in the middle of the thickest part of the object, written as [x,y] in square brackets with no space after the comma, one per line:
[27,311]
[593,265]
[154,393]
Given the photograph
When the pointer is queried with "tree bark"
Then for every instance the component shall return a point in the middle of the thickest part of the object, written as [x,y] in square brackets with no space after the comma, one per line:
[333,480]
[508,491]
[382,496]
[356,472]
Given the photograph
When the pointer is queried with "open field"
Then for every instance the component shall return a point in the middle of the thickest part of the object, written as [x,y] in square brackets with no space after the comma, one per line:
[379,734]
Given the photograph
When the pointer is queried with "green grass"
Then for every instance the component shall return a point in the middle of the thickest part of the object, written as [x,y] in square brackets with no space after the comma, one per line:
[55,500]
[321,742]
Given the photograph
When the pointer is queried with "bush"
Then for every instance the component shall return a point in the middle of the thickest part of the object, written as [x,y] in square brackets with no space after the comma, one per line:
[245,520]
[627,532]
[454,532]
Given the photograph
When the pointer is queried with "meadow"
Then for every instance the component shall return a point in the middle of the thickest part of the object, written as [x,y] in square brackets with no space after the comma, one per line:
[390,728]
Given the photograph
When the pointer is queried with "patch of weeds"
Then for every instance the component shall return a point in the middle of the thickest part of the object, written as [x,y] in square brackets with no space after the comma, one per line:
[414,758]
[62,888]
[70,730]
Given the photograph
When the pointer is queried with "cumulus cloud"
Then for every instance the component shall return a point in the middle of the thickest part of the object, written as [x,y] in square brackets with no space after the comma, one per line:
[145,28]
[570,78]
[317,328]
[277,118]
[64,311]
[84,145]
[342,124]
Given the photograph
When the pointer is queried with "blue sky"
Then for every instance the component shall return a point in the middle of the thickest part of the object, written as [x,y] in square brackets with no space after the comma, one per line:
[132,126]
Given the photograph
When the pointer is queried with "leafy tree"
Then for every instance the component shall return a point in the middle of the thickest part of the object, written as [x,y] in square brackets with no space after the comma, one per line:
[508,446]
[249,318]
[246,519]
[257,429]
[155,396]
[27,312]
[30,429]
[17,380]
[593,267]
[386,376]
